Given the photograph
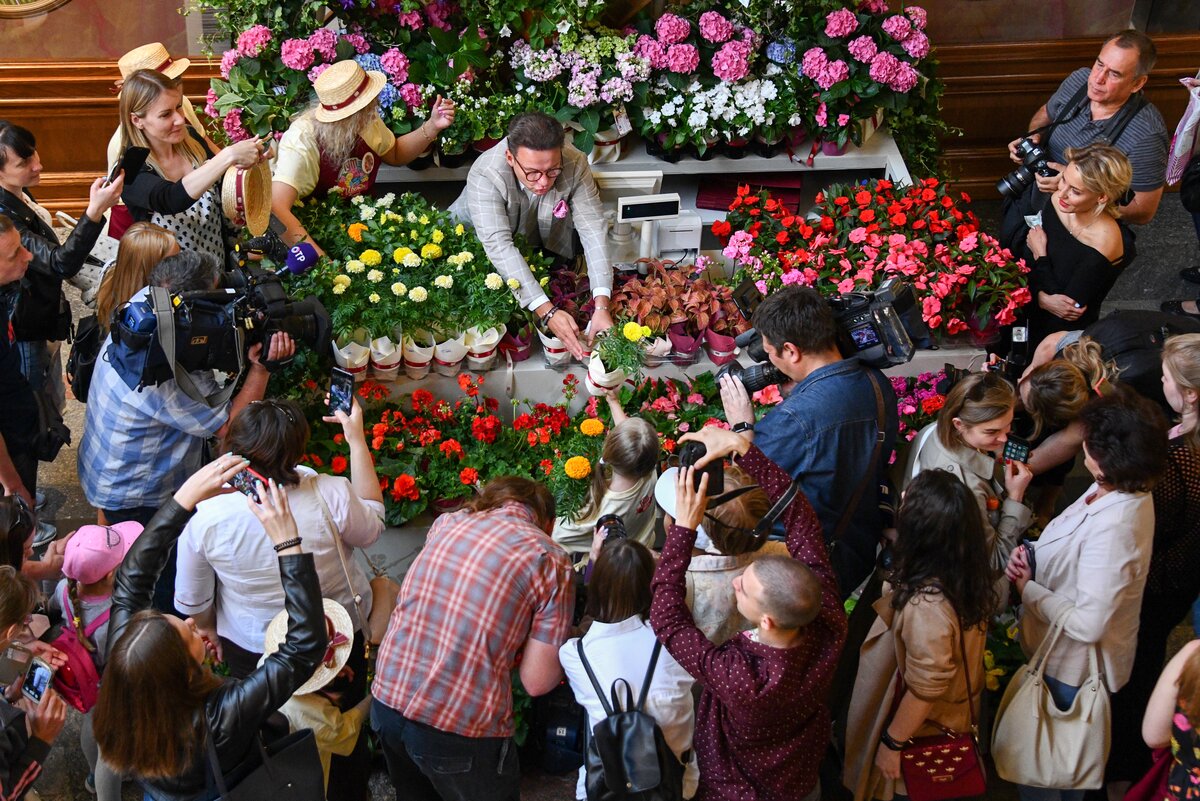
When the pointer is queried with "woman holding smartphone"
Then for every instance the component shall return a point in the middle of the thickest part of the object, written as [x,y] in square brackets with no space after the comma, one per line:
[159,703]
[178,188]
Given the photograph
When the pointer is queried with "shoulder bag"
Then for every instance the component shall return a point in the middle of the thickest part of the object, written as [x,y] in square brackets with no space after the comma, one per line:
[290,770]
[1037,744]
[945,765]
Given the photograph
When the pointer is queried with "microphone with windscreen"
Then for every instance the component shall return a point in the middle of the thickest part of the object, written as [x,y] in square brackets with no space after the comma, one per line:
[300,259]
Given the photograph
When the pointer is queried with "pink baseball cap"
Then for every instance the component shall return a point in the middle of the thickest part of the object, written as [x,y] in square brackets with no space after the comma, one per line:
[94,551]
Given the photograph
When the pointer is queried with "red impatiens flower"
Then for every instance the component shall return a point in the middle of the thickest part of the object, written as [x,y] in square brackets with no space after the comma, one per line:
[338,465]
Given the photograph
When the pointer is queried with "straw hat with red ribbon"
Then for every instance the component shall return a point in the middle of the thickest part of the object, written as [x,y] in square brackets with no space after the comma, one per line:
[345,88]
[246,197]
[341,640]
[153,56]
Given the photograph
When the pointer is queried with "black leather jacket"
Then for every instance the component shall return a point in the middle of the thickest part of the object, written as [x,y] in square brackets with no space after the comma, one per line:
[237,709]
[42,312]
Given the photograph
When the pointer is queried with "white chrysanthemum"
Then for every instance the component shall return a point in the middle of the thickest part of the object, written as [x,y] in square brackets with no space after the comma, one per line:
[418,294]
[493,281]
[366,212]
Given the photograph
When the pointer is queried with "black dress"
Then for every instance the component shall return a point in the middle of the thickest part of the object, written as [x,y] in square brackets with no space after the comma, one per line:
[1069,268]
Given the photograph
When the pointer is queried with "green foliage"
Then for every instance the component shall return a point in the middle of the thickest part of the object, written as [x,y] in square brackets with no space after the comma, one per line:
[919,129]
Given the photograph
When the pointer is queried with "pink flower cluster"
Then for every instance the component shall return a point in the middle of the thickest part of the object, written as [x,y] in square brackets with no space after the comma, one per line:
[874,6]
[916,45]
[395,64]
[672,28]
[841,23]
[232,123]
[863,49]
[297,54]
[884,67]
[358,42]
[682,58]
[410,93]
[714,27]
[324,41]
[739,245]
[229,60]
[918,16]
[253,40]
[439,13]
[905,78]
[898,27]
[411,20]
[316,71]
[650,49]
[732,62]
[826,73]
[210,103]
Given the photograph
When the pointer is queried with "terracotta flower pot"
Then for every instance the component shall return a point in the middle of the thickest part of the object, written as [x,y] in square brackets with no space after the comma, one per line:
[721,348]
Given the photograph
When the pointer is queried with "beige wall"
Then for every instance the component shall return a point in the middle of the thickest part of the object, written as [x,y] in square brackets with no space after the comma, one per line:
[94,29]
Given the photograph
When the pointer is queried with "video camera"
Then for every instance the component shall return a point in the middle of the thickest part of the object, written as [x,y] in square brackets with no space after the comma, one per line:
[213,329]
[869,324]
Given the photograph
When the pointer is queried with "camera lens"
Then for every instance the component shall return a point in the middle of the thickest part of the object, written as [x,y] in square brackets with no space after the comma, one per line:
[761,376]
[1015,183]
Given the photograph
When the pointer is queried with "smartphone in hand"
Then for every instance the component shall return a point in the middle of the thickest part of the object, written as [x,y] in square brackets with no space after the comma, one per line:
[37,680]
[131,162]
[246,482]
[1017,449]
[341,391]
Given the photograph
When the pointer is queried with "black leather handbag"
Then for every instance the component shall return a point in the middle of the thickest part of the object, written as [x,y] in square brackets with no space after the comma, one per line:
[290,770]
[85,349]
[627,756]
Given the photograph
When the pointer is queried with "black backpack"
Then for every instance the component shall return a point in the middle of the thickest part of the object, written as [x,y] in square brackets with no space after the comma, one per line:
[84,352]
[627,755]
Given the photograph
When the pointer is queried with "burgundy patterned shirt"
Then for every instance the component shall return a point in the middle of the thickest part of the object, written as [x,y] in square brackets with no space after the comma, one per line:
[762,724]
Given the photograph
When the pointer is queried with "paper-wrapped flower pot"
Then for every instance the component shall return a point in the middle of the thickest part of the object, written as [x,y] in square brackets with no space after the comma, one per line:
[386,359]
[607,147]
[353,358]
[721,348]
[599,380]
[557,355]
[417,356]
[482,347]
[658,350]
[448,355]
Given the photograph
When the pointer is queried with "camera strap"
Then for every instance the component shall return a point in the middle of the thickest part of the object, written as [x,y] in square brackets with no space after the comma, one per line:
[1114,126]
[164,315]
[764,527]
[871,473]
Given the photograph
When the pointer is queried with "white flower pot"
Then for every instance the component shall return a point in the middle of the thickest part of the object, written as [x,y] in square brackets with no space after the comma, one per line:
[598,380]
[448,355]
[557,355]
[386,359]
[481,347]
[607,147]
[417,356]
[353,358]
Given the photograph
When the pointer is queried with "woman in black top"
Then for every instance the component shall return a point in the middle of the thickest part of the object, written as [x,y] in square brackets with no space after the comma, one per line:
[1077,253]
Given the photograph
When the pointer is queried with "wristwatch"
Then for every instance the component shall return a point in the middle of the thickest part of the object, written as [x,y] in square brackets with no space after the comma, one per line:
[740,427]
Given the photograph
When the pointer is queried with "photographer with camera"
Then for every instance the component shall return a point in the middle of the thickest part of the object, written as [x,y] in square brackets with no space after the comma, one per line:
[1103,104]
[140,444]
[838,421]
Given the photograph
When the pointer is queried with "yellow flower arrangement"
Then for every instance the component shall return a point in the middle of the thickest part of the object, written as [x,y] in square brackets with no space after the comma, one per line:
[373,297]
[418,294]
[399,254]
[460,229]
[437,236]
[493,281]
[577,467]
[443,282]
[514,284]
[375,276]
[430,251]
[591,427]
[355,231]
[399,289]
[371,258]
[355,266]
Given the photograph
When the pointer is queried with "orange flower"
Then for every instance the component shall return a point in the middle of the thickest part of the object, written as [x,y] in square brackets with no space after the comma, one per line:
[338,439]
[355,231]
[338,465]
[468,476]
[405,488]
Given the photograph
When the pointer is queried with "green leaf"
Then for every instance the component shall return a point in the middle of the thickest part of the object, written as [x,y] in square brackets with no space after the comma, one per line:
[584,140]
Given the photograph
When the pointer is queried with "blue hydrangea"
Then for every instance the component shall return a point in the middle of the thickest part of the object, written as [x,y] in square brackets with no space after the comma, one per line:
[387,98]
[369,62]
[782,51]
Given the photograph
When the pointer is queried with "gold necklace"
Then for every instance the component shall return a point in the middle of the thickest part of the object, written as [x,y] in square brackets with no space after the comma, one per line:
[1081,230]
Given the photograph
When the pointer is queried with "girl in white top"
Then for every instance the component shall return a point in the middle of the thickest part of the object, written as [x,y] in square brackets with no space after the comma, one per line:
[619,644]
[631,455]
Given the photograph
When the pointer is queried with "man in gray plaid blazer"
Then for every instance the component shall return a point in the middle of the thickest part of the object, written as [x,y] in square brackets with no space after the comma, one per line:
[534,184]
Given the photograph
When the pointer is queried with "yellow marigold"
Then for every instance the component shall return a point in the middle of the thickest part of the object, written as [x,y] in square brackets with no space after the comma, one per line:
[399,289]
[373,297]
[437,236]
[356,231]
[338,289]
[493,281]
[459,229]
[646,331]
[632,331]
[371,258]
[341,280]
[375,276]
[431,251]
[591,427]
[355,266]
[399,253]
[577,467]
[514,284]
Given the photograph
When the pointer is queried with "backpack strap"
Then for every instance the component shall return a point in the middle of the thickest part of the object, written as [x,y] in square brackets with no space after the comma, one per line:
[91,628]
[608,710]
[641,703]
[160,300]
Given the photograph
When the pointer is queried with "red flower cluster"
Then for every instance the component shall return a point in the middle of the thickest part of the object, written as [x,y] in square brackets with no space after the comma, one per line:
[468,476]
[405,488]
[451,448]
[338,464]
[486,429]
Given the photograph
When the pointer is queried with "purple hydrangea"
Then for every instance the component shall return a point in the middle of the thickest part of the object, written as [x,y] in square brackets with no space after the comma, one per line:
[616,90]
[369,62]
[841,23]
[297,54]
[782,51]
[387,98]
[672,28]
[582,90]
[542,66]
[714,27]
[632,67]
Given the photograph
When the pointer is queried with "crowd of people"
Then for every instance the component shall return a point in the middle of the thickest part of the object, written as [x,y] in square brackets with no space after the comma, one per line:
[733,635]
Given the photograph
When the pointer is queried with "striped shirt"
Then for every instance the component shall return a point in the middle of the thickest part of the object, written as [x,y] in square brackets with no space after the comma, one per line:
[484,584]
[1144,139]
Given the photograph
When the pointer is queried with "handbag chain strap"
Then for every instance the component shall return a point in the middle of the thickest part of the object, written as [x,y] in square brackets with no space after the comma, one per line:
[363,620]
[902,687]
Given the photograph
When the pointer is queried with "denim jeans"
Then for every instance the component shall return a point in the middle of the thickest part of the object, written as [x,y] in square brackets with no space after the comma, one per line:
[1064,696]
[426,764]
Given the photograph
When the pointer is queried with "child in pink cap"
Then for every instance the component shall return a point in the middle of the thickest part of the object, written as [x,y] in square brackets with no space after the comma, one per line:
[90,562]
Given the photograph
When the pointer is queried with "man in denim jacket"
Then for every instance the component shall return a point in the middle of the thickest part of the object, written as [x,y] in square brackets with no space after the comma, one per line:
[824,431]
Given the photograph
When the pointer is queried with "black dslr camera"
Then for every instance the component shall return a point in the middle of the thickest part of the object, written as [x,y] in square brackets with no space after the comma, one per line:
[1034,161]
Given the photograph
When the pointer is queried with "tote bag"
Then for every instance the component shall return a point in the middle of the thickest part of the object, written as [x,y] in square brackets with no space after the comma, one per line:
[1037,744]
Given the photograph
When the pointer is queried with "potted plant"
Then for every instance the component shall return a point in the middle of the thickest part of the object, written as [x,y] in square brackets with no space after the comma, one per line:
[695,304]
[724,327]
[646,301]
[616,356]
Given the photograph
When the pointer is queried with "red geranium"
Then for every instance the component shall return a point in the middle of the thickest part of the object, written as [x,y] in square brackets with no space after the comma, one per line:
[468,476]
[405,488]
[338,465]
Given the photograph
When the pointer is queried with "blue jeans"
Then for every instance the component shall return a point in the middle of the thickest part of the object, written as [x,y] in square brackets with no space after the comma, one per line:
[427,764]
[1064,696]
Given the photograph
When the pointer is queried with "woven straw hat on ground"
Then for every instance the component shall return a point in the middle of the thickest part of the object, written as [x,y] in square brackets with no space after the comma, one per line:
[345,88]
[336,614]
[152,56]
[246,197]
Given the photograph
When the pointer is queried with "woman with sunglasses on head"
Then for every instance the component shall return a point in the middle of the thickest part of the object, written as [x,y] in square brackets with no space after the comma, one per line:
[921,666]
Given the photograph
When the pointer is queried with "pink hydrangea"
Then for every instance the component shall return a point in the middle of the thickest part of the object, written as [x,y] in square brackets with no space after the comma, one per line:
[916,45]
[863,49]
[672,28]
[410,93]
[732,62]
[904,79]
[439,14]
[316,71]
[395,64]
[834,72]
[841,23]
[411,20]
[898,27]
[683,58]
[324,41]
[210,103]
[229,60]
[296,54]
[874,6]
[813,62]
[650,49]
[253,40]
[714,27]
[883,67]
[918,16]
[232,123]
[358,42]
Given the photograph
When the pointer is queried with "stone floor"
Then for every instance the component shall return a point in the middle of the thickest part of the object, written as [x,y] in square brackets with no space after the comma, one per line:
[1165,246]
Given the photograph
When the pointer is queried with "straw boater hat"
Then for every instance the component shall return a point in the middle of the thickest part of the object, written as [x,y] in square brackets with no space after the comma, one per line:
[151,56]
[345,88]
[246,197]
[341,640]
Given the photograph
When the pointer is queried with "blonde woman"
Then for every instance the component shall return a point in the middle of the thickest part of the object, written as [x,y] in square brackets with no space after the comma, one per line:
[1077,252]
[968,441]
[142,247]
[341,141]
[179,187]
